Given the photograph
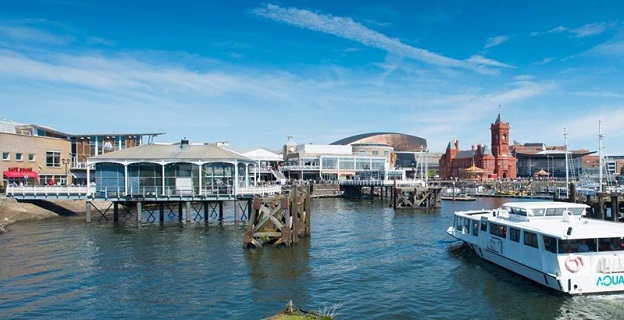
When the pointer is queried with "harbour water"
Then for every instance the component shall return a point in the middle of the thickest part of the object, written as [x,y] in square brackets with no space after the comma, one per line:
[363,257]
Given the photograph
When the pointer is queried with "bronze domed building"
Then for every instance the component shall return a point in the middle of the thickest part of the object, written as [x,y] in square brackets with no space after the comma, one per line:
[398,141]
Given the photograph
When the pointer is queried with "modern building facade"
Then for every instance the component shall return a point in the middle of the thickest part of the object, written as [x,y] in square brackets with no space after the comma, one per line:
[55,157]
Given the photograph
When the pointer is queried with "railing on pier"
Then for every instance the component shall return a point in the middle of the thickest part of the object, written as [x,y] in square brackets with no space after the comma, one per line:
[48,191]
[377,183]
[79,192]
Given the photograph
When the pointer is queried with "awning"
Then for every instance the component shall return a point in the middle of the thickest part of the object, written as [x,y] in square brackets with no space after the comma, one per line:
[20,174]
[79,175]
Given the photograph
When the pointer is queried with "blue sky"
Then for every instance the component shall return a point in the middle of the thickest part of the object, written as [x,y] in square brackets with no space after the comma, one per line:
[253,73]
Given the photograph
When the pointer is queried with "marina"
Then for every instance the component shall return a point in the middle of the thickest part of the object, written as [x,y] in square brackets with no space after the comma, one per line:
[356,249]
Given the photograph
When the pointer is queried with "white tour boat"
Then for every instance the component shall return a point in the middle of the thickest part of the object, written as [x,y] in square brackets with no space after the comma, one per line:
[551,243]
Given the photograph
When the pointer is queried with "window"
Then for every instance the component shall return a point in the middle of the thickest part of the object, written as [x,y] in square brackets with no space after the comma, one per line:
[53,159]
[475,228]
[31,157]
[550,244]
[19,156]
[498,230]
[6,156]
[484,225]
[386,152]
[514,234]
[375,152]
[530,239]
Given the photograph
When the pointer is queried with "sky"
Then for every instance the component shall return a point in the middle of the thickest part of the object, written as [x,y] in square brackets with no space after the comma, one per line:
[255,72]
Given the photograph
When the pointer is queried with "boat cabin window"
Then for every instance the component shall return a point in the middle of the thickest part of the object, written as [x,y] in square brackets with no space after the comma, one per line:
[467,225]
[550,244]
[498,230]
[518,211]
[580,245]
[530,239]
[555,211]
[539,212]
[462,224]
[484,225]
[576,211]
[475,228]
[610,244]
[514,234]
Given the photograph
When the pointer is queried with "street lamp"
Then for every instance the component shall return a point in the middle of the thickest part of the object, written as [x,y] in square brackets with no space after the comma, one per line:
[66,163]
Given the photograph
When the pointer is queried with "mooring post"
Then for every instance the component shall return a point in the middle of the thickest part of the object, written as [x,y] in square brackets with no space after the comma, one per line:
[88,211]
[235,210]
[138,214]
[307,213]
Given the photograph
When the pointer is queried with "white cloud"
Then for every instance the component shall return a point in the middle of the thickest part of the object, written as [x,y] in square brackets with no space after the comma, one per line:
[592,29]
[495,41]
[347,28]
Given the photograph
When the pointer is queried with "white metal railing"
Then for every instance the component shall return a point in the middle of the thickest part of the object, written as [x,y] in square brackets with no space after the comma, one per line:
[399,183]
[294,168]
[145,192]
[46,191]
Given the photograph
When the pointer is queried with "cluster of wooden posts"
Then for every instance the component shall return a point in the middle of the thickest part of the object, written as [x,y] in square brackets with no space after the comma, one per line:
[279,219]
[417,198]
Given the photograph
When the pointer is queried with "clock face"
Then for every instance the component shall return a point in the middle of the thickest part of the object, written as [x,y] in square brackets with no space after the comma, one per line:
[291,149]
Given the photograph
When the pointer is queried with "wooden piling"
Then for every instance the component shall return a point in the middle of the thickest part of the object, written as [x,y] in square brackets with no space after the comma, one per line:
[279,220]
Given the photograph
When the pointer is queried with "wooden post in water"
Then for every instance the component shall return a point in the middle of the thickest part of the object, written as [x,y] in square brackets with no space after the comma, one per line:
[278,220]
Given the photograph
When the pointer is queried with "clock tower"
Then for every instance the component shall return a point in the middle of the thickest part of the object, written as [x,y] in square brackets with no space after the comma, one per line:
[505,164]
[500,137]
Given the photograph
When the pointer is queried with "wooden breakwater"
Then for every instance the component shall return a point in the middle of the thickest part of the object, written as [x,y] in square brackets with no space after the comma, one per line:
[279,220]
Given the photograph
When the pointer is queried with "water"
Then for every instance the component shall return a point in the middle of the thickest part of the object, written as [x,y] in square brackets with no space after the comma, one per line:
[370,261]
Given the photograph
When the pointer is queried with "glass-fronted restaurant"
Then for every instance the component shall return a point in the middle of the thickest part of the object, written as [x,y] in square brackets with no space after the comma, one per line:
[172,169]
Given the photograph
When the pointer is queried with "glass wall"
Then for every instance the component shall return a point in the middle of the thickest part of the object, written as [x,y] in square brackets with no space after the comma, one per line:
[173,171]
[109,179]
[144,178]
[218,177]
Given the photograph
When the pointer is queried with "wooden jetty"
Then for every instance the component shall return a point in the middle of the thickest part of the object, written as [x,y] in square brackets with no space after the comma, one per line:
[279,220]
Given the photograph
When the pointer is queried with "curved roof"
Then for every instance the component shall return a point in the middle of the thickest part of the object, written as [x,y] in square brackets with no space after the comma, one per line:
[399,141]
[172,153]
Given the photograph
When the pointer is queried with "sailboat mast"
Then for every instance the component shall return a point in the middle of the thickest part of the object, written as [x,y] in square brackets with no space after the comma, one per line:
[600,155]
[567,163]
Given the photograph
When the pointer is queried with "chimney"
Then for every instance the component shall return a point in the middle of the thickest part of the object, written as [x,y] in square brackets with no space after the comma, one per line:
[184,143]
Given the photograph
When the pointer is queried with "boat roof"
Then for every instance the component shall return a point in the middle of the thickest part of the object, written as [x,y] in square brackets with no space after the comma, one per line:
[554,226]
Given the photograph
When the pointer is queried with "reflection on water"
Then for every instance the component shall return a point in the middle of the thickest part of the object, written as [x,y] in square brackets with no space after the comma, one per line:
[374,262]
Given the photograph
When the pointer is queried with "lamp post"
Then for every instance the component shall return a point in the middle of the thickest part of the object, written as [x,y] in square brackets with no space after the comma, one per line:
[66,163]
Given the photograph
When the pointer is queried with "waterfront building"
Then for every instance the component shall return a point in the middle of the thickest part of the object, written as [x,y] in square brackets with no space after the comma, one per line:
[172,169]
[55,156]
[267,165]
[534,157]
[481,162]
[384,155]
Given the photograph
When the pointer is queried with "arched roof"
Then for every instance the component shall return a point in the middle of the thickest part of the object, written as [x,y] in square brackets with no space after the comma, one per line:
[399,141]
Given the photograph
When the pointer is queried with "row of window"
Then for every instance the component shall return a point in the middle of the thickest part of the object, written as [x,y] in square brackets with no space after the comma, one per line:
[6,156]
[53,158]
[530,238]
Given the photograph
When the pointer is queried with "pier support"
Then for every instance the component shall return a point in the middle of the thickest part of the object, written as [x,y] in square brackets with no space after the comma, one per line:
[278,220]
